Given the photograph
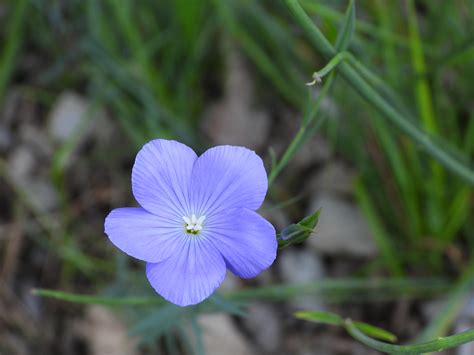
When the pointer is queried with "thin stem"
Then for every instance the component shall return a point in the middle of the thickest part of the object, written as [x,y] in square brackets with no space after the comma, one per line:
[455,300]
[321,43]
[370,77]
[339,290]
[307,129]
[318,75]
[433,345]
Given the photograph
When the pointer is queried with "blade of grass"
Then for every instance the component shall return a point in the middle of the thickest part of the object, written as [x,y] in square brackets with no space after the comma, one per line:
[427,115]
[335,290]
[457,213]
[320,42]
[361,26]
[307,129]
[345,33]
[422,89]
[254,51]
[329,318]
[382,239]
[12,42]
[383,13]
[57,240]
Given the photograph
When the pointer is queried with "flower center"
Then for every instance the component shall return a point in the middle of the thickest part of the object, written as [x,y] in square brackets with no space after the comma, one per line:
[192,224]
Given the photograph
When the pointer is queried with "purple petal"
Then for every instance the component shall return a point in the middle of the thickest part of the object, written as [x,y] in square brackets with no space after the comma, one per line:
[141,234]
[228,177]
[246,240]
[189,276]
[161,176]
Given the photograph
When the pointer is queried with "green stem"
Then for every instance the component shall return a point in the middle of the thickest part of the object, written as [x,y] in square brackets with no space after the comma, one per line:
[340,290]
[334,62]
[370,77]
[95,299]
[365,90]
[307,129]
[433,345]
[455,300]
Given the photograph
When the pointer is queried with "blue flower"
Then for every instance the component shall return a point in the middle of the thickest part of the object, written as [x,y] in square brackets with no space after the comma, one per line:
[197,218]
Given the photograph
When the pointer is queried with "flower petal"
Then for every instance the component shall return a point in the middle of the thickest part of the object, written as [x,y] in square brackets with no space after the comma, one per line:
[161,176]
[246,240]
[228,177]
[141,234]
[191,275]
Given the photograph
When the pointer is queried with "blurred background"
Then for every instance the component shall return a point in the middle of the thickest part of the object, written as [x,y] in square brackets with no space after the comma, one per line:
[84,84]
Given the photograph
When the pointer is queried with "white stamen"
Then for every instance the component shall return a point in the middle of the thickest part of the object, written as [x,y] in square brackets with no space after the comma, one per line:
[194,224]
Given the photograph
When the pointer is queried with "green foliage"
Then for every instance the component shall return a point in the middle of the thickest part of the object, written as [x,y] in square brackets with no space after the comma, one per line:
[334,319]
[12,42]
[155,65]
[149,64]
[330,290]
[367,334]
[375,332]
[321,317]
[455,301]
[413,206]
[298,232]
[344,35]
[420,348]
[420,195]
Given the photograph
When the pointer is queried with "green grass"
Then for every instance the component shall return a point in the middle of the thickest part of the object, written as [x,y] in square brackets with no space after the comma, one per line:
[155,66]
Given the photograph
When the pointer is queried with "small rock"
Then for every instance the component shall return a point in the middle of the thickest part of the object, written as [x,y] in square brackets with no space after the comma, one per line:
[468,310]
[221,336]
[301,267]
[234,120]
[232,124]
[468,348]
[6,140]
[10,106]
[104,129]
[342,229]
[42,194]
[431,308]
[67,114]
[37,189]
[21,163]
[106,334]
[315,151]
[336,177]
[37,140]
[264,324]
